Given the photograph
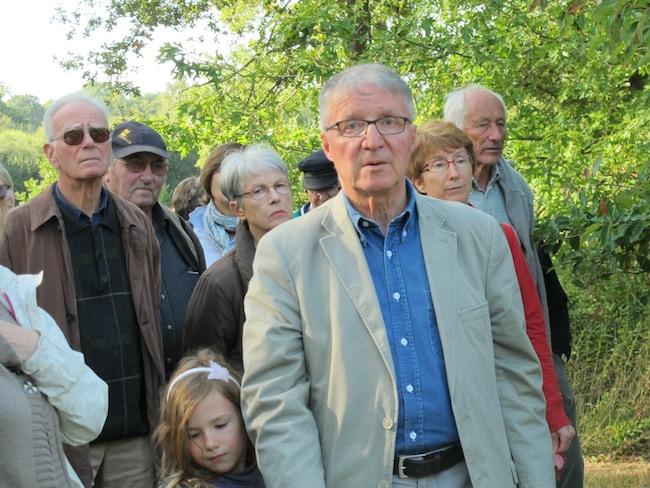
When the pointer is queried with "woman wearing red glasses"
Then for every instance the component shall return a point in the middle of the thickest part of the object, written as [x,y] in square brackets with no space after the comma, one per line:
[442,166]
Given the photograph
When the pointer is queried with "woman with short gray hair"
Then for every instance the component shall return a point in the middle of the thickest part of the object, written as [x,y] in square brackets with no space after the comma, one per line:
[256,182]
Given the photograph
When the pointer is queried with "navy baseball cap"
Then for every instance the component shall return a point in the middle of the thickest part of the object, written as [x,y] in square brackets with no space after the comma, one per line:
[319,171]
[133,137]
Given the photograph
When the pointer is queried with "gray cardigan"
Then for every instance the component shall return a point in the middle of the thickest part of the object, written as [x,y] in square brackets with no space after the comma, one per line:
[519,203]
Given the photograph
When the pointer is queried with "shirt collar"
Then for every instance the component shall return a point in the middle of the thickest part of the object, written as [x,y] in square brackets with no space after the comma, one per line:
[158,217]
[76,213]
[494,176]
[362,224]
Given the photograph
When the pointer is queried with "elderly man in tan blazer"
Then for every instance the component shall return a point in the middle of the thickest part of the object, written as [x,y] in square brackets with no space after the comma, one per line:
[385,342]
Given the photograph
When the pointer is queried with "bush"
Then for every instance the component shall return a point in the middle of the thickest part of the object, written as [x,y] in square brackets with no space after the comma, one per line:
[610,367]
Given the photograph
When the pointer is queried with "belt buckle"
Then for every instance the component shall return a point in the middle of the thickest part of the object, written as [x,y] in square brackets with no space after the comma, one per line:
[400,463]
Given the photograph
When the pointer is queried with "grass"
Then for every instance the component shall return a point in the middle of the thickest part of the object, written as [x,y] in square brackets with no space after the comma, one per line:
[617,474]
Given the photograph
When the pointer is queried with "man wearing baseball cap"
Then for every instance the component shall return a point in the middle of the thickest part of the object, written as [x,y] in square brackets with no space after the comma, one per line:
[320,181]
[137,174]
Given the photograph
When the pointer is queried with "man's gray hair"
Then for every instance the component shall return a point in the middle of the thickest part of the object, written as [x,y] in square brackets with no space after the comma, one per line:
[455,109]
[65,100]
[239,165]
[354,78]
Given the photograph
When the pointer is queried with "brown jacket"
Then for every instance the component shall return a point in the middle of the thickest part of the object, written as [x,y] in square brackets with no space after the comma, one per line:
[33,240]
[215,312]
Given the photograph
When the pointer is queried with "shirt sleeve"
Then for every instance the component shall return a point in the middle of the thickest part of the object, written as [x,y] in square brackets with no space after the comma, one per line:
[536,331]
[72,388]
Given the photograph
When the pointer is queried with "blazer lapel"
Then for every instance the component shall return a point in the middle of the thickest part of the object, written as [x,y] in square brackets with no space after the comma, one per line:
[440,251]
[343,250]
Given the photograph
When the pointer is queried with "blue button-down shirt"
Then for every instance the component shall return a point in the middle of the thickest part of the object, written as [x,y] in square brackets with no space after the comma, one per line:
[425,419]
[81,217]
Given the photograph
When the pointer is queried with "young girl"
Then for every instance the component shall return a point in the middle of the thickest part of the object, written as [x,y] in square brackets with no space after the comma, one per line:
[201,434]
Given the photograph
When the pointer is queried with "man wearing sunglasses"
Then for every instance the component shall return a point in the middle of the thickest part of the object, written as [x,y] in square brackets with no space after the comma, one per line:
[138,174]
[101,264]
[320,180]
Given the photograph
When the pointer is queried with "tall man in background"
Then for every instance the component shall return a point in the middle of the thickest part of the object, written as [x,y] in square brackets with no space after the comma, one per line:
[385,342]
[137,174]
[499,190]
[101,284]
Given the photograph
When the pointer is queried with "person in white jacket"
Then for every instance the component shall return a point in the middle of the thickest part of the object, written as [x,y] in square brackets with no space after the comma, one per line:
[49,395]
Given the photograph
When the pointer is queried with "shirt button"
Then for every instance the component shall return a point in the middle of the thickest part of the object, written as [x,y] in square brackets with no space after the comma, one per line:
[413,436]
[396,296]
[162,296]
[104,279]
[169,326]
[365,223]
[387,423]
[404,234]
[403,341]
[169,360]
[389,254]
[409,388]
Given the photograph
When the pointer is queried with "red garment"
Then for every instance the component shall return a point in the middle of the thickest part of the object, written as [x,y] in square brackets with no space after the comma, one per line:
[536,330]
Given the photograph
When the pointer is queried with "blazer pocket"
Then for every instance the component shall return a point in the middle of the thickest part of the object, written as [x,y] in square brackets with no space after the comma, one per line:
[474,312]
[474,323]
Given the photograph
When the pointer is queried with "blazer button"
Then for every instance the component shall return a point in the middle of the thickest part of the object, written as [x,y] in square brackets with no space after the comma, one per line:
[30,387]
[387,423]
[69,318]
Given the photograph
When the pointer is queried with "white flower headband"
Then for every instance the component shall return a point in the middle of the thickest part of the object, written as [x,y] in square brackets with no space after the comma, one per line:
[215,372]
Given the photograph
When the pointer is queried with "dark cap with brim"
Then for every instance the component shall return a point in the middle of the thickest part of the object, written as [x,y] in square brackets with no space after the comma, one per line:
[133,137]
[319,171]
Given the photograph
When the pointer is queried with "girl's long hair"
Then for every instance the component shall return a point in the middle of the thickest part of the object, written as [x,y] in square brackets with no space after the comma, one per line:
[170,437]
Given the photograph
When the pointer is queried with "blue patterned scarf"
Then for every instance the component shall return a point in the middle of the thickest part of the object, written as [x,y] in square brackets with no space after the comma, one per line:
[217,225]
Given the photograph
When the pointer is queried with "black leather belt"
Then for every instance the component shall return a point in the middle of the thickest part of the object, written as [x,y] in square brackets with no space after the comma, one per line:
[429,463]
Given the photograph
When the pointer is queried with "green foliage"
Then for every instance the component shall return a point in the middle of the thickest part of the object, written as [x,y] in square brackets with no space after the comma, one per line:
[608,232]
[34,186]
[19,154]
[609,366]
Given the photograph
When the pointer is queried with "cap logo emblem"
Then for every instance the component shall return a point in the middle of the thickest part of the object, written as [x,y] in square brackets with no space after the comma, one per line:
[125,135]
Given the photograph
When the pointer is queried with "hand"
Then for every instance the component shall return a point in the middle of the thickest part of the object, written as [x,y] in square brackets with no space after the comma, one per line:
[562,438]
[23,341]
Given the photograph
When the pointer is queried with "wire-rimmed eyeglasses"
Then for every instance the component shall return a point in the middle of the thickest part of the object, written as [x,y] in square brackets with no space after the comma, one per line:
[386,126]
[262,191]
[441,165]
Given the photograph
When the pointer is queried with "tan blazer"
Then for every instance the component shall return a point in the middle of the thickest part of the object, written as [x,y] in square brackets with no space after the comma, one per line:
[319,395]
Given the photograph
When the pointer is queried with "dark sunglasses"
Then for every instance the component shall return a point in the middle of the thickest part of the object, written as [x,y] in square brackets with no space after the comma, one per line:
[137,165]
[74,137]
